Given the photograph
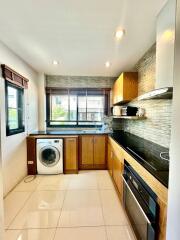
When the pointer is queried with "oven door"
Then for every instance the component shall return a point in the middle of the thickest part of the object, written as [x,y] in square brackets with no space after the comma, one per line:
[142,225]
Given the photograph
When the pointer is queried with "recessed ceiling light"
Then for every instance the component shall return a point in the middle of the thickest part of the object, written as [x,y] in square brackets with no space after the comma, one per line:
[168,35]
[107,64]
[55,62]
[120,33]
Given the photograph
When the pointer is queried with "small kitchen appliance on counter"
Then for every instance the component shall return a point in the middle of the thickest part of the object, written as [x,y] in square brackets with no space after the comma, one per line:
[129,111]
[124,111]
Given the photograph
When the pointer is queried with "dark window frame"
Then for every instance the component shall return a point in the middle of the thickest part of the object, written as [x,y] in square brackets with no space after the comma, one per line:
[57,91]
[20,108]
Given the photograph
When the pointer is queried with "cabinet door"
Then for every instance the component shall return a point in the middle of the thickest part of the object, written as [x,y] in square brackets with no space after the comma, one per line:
[162,220]
[87,149]
[118,90]
[71,155]
[125,87]
[117,174]
[99,151]
[110,159]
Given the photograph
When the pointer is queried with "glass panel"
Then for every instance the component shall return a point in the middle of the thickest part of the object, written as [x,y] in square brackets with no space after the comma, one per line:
[82,108]
[12,108]
[59,109]
[73,108]
[12,97]
[64,108]
[90,123]
[95,116]
[95,108]
[12,118]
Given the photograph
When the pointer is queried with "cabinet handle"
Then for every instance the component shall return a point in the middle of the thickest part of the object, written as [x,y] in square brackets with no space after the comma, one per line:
[71,140]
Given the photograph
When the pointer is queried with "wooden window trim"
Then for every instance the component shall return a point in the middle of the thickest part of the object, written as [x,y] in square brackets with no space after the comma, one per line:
[12,76]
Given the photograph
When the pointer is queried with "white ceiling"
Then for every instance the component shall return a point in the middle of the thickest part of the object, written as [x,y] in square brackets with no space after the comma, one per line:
[79,33]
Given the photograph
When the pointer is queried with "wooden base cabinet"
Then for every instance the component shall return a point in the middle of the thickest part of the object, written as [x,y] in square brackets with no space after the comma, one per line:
[71,155]
[117,174]
[93,152]
[110,160]
[31,156]
[87,152]
[115,165]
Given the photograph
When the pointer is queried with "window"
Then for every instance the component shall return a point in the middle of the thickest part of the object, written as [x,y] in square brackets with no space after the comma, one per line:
[76,107]
[14,109]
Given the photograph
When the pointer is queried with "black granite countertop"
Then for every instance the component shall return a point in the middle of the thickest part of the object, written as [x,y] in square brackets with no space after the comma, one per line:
[146,153]
[70,132]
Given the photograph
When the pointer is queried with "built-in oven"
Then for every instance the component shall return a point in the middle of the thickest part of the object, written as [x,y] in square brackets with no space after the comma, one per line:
[141,206]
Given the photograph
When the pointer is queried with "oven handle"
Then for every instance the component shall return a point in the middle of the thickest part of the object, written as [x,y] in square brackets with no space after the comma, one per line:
[147,219]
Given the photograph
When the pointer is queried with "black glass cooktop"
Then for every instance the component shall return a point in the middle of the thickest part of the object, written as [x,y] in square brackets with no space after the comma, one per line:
[150,155]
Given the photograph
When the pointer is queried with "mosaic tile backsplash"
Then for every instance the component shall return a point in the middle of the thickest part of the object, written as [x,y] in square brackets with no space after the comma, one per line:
[157,126]
[79,81]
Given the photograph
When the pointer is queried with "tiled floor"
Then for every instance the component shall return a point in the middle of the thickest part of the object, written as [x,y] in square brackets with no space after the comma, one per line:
[66,207]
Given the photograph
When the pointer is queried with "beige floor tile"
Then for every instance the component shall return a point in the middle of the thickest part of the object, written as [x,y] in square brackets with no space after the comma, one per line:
[42,210]
[54,182]
[112,210]
[88,233]
[30,234]
[28,187]
[81,208]
[87,172]
[102,172]
[13,204]
[83,181]
[93,172]
[104,181]
[120,233]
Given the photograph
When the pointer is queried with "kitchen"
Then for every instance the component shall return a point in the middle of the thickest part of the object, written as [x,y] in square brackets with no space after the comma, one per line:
[89,126]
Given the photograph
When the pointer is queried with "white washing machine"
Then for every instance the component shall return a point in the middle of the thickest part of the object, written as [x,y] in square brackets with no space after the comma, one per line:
[49,156]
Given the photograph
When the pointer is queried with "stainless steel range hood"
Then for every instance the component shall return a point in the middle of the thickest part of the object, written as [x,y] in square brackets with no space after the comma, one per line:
[161,93]
[164,54]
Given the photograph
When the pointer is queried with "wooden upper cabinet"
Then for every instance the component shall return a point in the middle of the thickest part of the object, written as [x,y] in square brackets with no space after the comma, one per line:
[125,87]
[71,155]
[99,150]
[87,148]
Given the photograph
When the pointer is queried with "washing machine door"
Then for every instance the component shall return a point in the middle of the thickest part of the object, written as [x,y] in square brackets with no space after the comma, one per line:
[49,156]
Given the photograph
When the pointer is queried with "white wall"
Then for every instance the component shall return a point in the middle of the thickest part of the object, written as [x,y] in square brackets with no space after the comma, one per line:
[1,189]
[165,45]
[42,102]
[14,147]
[173,223]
